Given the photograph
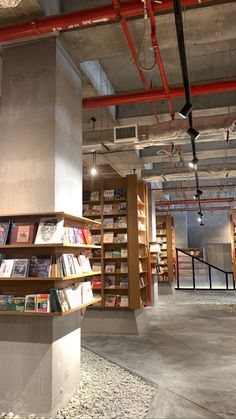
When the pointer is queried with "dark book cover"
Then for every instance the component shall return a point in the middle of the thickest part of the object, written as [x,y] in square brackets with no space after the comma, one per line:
[4,229]
[40,267]
[86,195]
[119,193]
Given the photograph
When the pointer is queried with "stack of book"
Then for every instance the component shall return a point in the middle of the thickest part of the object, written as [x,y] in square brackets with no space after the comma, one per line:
[116,301]
[70,264]
[33,267]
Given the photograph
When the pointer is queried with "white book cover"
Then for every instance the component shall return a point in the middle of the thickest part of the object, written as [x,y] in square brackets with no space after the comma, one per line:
[78,268]
[84,263]
[87,293]
[109,194]
[74,296]
[6,267]
[50,230]
[20,268]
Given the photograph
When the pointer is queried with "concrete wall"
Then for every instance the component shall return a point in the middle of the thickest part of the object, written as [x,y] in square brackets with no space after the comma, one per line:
[181,233]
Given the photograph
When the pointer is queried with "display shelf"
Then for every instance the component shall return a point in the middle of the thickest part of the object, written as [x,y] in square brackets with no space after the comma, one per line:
[166,240]
[22,286]
[132,189]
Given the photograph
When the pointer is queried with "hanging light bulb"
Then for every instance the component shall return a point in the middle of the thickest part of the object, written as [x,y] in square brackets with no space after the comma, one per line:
[93,170]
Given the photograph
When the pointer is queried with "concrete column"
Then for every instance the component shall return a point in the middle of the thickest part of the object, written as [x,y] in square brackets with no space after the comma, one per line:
[40,171]
[40,128]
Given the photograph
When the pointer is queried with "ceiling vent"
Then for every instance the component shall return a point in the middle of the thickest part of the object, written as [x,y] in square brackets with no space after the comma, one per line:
[125,133]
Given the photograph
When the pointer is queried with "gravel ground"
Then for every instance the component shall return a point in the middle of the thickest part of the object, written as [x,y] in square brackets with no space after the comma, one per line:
[107,392]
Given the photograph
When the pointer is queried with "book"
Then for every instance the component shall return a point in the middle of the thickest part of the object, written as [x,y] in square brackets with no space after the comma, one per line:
[119,193]
[123,282]
[86,209]
[4,229]
[110,267]
[123,253]
[78,268]
[74,296]
[3,302]
[50,230]
[108,223]
[22,233]
[97,282]
[124,267]
[43,303]
[108,254]
[84,263]
[124,301]
[116,253]
[6,267]
[87,292]
[94,196]
[121,238]
[108,237]
[30,303]
[88,238]
[122,207]
[96,267]
[107,209]
[121,222]
[20,267]
[64,304]
[2,257]
[39,267]
[97,238]
[96,209]
[96,253]
[108,194]
[55,302]
[110,300]
[110,281]
[16,304]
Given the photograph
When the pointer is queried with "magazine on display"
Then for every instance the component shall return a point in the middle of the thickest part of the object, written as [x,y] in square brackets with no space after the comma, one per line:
[50,230]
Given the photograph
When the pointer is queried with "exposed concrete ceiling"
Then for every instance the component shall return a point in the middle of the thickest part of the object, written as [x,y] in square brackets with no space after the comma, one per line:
[162,150]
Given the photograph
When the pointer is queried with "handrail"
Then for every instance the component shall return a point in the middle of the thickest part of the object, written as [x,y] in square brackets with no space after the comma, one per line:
[203,261]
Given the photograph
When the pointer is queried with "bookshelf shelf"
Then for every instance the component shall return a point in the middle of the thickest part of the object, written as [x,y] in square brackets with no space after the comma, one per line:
[43,259]
[133,207]
[165,237]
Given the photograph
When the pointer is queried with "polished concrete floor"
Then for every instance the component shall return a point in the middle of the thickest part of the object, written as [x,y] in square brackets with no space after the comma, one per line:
[189,350]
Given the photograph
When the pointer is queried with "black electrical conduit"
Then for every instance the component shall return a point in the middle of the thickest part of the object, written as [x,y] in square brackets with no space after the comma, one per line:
[184,68]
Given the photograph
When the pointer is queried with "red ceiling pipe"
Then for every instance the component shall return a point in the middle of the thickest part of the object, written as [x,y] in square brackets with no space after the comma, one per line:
[223,208]
[188,188]
[158,58]
[192,201]
[135,57]
[83,19]
[157,94]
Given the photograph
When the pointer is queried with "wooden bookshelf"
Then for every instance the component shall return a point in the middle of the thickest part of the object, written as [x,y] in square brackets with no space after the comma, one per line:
[134,209]
[27,285]
[233,242]
[165,237]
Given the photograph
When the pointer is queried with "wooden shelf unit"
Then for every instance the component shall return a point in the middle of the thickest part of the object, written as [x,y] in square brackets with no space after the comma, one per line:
[165,237]
[136,214]
[233,241]
[22,286]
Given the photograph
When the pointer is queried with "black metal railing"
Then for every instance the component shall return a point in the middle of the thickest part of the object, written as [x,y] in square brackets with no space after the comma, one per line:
[210,279]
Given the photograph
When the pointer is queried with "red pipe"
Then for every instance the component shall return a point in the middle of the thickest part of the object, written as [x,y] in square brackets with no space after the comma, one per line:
[192,201]
[135,57]
[194,209]
[188,188]
[157,94]
[83,19]
[158,58]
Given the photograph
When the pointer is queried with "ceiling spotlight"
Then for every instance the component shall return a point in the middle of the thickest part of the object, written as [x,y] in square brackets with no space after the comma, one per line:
[201,224]
[93,170]
[193,163]
[197,194]
[199,219]
[186,110]
[193,133]
[200,213]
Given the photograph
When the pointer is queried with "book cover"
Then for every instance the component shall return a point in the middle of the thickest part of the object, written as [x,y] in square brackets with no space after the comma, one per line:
[87,292]
[110,300]
[84,263]
[6,268]
[124,267]
[68,266]
[97,282]
[86,209]
[40,266]
[124,301]
[110,281]
[20,268]
[94,196]
[74,296]
[107,209]
[96,267]
[108,237]
[97,238]
[43,303]
[16,304]
[121,222]
[108,194]
[122,207]
[96,210]
[70,258]
[108,222]
[122,238]
[97,253]
[22,233]
[30,302]
[79,236]
[88,238]
[50,230]
[119,193]
[116,253]
[78,268]
[3,302]
[123,253]
[108,254]
[110,267]
[4,229]
[123,282]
